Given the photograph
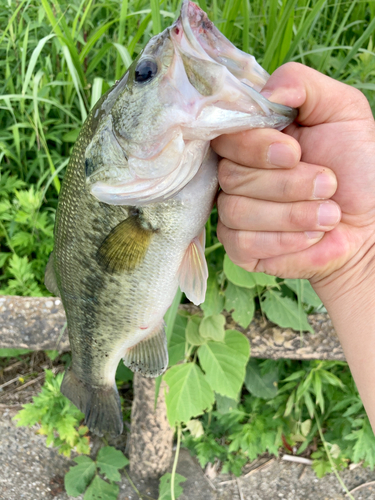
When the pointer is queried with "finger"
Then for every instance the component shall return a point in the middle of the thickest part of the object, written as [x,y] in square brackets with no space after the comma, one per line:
[247,214]
[314,263]
[320,99]
[260,148]
[304,182]
[250,246]
[318,260]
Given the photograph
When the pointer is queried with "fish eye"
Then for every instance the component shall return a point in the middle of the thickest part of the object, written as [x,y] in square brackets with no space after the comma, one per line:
[145,71]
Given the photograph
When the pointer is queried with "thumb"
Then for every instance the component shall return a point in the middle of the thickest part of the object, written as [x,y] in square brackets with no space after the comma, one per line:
[320,99]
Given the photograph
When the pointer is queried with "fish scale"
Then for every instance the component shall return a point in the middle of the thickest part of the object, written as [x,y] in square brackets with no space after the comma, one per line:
[135,198]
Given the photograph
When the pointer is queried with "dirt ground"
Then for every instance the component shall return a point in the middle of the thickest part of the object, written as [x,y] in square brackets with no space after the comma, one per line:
[31,471]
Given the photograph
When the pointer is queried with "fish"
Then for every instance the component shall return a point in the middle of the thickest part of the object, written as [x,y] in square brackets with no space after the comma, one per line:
[137,192]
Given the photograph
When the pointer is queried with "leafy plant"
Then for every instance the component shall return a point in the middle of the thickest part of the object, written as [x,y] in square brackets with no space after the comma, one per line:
[165,486]
[85,476]
[59,419]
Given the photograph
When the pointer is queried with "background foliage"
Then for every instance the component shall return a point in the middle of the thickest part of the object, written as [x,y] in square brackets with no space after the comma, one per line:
[56,60]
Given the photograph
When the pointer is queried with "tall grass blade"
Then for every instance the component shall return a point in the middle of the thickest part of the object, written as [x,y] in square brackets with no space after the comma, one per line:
[76,82]
[304,29]
[156,20]
[287,38]
[96,91]
[34,59]
[124,55]
[271,57]
[83,18]
[93,39]
[246,26]
[121,34]
[272,20]
[13,17]
[361,41]
[139,34]
[65,39]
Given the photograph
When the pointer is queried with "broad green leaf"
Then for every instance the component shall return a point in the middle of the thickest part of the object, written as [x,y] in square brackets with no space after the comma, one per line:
[195,428]
[12,353]
[240,301]
[176,345]
[101,490]
[304,291]
[285,312]
[224,363]
[306,427]
[240,277]
[123,374]
[189,393]
[212,327]
[262,386]
[79,476]
[224,404]
[321,467]
[192,331]
[214,300]
[109,461]
[165,486]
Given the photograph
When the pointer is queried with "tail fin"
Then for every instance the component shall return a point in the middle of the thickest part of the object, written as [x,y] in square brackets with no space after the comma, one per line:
[101,406]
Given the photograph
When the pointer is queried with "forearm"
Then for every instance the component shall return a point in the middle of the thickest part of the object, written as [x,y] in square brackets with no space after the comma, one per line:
[350,301]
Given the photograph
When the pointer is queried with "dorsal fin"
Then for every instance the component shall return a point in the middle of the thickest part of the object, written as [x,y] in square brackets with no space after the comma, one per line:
[126,245]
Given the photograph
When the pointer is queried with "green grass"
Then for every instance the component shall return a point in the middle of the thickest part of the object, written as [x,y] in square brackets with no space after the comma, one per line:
[57,59]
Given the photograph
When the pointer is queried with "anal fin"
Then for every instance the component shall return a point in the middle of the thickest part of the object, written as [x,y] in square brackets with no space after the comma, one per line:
[150,356]
[193,272]
[101,405]
[50,277]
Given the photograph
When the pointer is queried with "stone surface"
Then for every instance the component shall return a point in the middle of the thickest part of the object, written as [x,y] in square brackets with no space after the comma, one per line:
[37,322]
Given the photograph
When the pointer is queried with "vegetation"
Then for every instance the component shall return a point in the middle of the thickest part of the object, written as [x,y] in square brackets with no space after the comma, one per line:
[56,60]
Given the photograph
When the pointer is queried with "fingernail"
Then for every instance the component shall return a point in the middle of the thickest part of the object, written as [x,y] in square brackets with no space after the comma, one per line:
[282,155]
[266,93]
[314,235]
[324,186]
[328,214]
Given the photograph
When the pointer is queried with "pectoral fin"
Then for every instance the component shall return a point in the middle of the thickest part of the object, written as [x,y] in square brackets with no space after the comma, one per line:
[150,356]
[50,277]
[193,272]
[126,245]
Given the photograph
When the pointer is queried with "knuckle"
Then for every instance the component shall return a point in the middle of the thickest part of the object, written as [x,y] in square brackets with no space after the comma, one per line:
[228,208]
[299,215]
[226,174]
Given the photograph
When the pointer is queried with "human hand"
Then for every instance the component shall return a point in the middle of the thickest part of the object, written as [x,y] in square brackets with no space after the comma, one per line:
[270,219]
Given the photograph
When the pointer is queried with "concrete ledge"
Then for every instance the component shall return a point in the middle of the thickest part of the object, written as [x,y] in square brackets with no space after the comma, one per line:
[37,322]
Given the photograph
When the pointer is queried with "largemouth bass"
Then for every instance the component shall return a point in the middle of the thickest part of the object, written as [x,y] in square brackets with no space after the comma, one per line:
[136,195]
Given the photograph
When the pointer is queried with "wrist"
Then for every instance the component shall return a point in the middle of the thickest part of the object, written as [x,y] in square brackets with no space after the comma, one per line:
[352,285]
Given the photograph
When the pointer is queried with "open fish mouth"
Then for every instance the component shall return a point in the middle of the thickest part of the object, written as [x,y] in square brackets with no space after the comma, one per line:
[206,38]
[203,87]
